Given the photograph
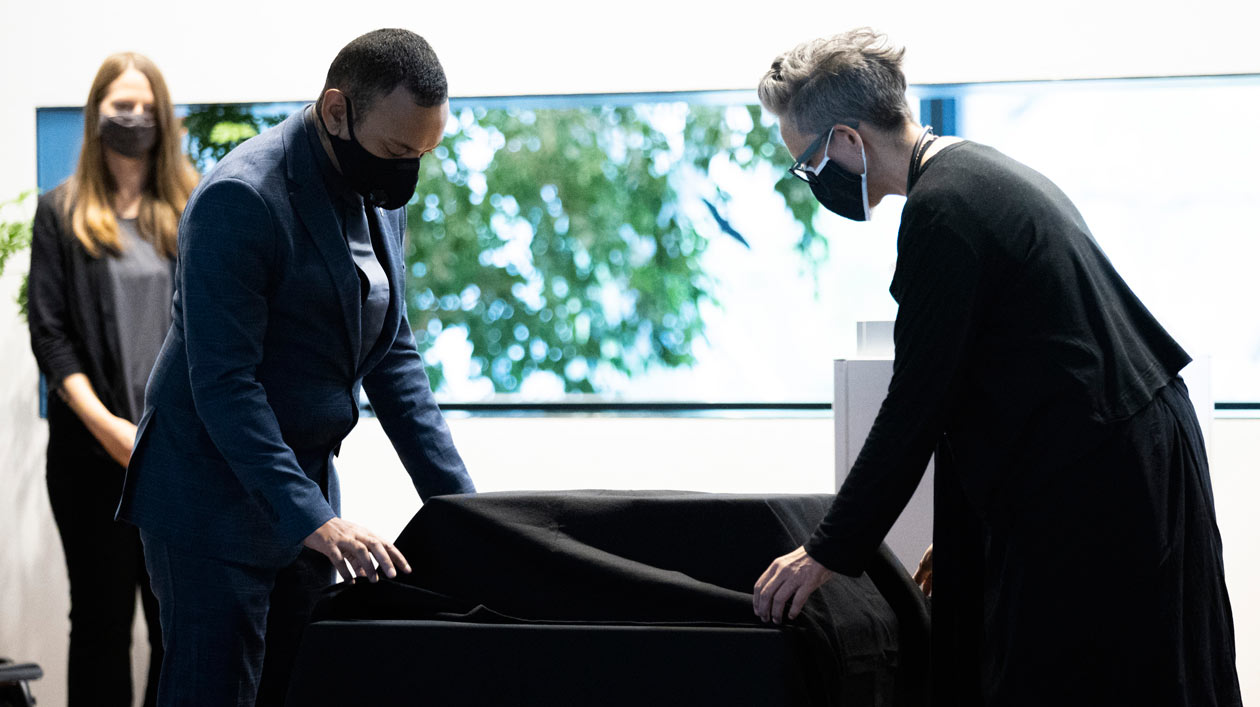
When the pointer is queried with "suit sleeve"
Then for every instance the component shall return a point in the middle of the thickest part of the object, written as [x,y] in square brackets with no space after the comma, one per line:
[52,340]
[938,281]
[227,256]
[398,389]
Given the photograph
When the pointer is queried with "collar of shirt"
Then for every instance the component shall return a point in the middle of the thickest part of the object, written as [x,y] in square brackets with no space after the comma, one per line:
[337,185]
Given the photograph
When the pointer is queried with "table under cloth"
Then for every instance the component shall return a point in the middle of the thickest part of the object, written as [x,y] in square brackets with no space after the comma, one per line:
[609,598]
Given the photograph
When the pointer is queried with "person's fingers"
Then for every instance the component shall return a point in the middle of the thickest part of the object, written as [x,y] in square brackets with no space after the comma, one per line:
[384,563]
[927,585]
[362,562]
[761,599]
[782,594]
[339,562]
[798,601]
[399,561]
[348,551]
[765,577]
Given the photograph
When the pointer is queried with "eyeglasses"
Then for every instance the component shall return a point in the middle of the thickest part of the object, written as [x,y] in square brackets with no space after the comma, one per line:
[801,169]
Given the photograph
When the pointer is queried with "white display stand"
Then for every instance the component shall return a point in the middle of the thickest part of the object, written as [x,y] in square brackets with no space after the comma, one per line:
[1198,378]
[860,389]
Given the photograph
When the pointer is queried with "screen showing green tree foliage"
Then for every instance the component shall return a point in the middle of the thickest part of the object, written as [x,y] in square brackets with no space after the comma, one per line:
[647,248]
[565,240]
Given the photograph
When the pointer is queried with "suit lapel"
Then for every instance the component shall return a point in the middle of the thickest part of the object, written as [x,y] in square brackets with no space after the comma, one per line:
[390,255]
[314,207]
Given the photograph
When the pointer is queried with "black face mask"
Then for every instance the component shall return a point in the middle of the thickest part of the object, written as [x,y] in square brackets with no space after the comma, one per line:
[128,134]
[842,192]
[837,189]
[387,183]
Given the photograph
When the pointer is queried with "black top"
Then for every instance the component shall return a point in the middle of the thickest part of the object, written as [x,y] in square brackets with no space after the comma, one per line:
[77,317]
[360,225]
[1017,345]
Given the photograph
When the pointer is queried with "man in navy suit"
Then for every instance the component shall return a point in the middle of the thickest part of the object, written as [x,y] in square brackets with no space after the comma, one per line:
[289,299]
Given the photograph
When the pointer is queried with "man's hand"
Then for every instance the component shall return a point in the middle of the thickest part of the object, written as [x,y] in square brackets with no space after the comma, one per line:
[923,575]
[352,548]
[792,577]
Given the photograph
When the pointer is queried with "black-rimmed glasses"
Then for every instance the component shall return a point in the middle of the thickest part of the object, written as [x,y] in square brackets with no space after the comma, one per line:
[801,169]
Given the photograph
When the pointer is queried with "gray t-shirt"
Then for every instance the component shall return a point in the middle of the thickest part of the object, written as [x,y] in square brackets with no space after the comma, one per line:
[140,289]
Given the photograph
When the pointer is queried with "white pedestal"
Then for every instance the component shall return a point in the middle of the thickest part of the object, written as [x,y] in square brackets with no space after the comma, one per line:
[860,389]
[1198,378]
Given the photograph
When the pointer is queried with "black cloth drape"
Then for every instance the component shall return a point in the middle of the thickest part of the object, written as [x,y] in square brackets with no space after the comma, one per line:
[1106,588]
[652,559]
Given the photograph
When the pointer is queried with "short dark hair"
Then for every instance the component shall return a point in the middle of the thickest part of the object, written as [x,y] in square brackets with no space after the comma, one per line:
[378,62]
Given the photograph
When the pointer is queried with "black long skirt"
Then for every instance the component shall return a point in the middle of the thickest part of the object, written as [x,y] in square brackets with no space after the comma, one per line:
[1107,586]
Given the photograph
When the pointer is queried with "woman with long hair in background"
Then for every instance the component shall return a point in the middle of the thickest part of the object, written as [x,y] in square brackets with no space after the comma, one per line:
[102,266]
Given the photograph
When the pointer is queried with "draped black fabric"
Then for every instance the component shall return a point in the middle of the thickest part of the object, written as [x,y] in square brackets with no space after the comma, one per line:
[651,559]
[1109,590]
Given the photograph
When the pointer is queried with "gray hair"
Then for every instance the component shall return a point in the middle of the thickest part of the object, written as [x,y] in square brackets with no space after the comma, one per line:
[854,76]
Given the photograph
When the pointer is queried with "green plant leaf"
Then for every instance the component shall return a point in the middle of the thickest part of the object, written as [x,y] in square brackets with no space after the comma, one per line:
[15,227]
[231,133]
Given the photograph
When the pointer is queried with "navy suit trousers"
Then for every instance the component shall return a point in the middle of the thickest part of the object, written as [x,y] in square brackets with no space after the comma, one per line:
[236,633]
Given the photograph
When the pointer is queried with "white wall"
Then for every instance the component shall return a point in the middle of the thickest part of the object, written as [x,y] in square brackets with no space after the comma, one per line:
[1236,485]
[266,51]
[716,455]
[270,50]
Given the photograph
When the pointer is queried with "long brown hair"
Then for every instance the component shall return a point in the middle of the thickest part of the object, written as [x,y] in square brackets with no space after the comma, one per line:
[171,177]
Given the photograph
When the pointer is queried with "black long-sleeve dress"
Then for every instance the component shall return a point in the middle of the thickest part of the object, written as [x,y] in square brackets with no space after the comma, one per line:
[1077,558]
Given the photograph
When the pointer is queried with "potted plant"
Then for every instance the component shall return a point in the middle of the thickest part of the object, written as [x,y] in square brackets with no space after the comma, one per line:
[15,237]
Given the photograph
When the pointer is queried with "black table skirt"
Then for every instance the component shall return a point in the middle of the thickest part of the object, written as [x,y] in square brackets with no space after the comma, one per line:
[455,664]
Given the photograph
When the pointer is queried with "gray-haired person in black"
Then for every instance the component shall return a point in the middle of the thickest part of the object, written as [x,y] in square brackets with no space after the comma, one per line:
[102,255]
[1076,558]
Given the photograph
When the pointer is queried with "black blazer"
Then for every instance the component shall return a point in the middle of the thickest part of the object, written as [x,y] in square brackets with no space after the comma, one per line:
[259,377]
[71,325]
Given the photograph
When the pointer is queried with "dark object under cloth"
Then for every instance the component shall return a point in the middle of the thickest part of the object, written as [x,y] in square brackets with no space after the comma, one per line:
[603,597]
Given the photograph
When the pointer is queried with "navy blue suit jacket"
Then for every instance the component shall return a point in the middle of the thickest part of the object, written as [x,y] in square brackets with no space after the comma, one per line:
[258,379]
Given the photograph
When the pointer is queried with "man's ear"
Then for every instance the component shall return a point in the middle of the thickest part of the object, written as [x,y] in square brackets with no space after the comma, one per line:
[847,133]
[333,111]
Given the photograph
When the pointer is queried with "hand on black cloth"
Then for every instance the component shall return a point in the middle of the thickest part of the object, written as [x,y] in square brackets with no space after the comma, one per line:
[356,551]
[792,577]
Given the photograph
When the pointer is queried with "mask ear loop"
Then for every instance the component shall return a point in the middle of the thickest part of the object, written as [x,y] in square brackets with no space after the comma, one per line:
[866,200]
[349,116]
[349,119]
[825,158]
